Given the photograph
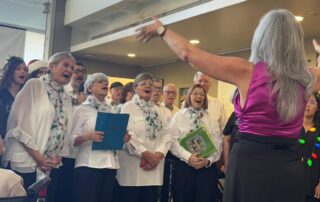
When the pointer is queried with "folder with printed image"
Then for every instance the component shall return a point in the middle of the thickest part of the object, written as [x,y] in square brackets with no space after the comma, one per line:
[198,141]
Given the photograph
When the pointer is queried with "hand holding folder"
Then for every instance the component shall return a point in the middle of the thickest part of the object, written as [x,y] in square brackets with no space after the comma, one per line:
[114,128]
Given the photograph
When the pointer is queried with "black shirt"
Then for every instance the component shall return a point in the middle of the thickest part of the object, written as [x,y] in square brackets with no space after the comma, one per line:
[231,128]
[6,100]
[311,173]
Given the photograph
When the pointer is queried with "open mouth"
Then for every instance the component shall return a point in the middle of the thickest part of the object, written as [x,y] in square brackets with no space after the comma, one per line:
[199,101]
[22,77]
[147,91]
[105,88]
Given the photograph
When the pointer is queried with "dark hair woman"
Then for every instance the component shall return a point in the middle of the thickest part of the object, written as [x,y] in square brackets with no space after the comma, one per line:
[310,148]
[15,74]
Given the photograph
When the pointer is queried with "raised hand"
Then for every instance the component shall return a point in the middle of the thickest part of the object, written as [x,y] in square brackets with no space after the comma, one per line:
[148,32]
[316,46]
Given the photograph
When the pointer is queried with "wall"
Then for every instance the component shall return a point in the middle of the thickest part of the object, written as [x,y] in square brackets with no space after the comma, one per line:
[110,69]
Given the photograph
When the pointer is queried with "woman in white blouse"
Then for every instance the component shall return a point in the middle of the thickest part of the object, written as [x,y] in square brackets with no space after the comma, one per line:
[40,121]
[194,178]
[141,164]
[95,170]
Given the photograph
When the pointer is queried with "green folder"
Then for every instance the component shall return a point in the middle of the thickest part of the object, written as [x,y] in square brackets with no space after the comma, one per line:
[198,141]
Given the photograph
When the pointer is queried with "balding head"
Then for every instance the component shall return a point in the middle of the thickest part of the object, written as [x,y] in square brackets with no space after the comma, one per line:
[203,80]
[169,94]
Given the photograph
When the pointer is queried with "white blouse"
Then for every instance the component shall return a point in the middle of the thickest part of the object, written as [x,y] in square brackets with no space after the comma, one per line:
[30,122]
[130,173]
[181,126]
[84,118]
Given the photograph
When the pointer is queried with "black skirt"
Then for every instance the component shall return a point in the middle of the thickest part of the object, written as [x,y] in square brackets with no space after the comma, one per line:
[264,169]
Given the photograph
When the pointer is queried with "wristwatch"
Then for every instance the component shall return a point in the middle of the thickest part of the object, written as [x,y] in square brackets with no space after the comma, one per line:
[161,31]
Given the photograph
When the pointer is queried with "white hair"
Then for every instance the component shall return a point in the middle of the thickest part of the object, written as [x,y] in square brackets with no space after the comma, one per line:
[278,41]
[57,57]
[91,78]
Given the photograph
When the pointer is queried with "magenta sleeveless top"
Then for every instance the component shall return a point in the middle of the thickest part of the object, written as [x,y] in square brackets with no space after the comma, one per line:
[259,115]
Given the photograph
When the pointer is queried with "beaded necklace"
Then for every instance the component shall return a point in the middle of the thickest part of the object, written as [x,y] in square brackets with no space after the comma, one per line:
[313,155]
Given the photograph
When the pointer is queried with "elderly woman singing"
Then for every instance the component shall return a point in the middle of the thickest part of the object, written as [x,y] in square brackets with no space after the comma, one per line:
[141,165]
[39,122]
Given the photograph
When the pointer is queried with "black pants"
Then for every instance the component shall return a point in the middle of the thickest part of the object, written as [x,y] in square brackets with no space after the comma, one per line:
[93,185]
[60,188]
[137,194]
[264,169]
[192,185]
[167,187]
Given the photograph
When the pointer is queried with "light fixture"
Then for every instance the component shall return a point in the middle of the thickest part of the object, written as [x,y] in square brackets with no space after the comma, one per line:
[298,18]
[131,55]
[194,41]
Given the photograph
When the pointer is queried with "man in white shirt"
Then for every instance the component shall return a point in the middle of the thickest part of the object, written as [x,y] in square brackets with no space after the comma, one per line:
[156,96]
[215,107]
[116,89]
[169,96]
[157,92]
[75,87]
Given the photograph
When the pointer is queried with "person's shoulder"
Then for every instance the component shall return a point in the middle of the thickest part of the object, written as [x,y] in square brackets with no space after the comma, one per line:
[128,106]
[9,175]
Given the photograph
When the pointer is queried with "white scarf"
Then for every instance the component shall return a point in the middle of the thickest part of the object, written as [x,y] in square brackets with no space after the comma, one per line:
[58,132]
[153,123]
[95,103]
[195,117]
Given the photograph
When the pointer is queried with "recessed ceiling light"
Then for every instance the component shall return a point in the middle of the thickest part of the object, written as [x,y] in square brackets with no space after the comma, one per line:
[131,55]
[194,41]
[90,56]
[299,18]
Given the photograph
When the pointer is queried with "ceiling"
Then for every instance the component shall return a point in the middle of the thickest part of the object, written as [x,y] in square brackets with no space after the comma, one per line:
[222,31]
[26,14]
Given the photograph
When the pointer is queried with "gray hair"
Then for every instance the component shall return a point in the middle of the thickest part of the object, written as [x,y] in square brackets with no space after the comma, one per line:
[142,77]
[278,41]
[197,74]
[57,57]
[91,78]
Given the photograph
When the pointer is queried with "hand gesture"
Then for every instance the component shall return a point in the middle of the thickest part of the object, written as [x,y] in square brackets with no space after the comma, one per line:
[150,31]
[317,192]
[127,137]
[316,46]
[45,164]
[95,136]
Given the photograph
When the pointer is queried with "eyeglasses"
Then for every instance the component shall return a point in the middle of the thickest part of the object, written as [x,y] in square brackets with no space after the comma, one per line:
[101,81]
[78,71]
[68,66]
[157,87]
[145,83]
[313,102]
[198,94]
[170,92]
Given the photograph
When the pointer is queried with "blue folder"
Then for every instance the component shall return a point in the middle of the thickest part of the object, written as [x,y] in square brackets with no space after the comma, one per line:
[114,127]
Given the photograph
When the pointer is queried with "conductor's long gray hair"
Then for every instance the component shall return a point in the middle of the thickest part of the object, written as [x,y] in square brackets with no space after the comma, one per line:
[279,41]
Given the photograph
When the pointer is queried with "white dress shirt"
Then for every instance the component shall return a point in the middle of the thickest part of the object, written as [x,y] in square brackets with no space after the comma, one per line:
[217,112]
[130,173]
[30,122]
[86,117]
[180,126]
[175,109]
